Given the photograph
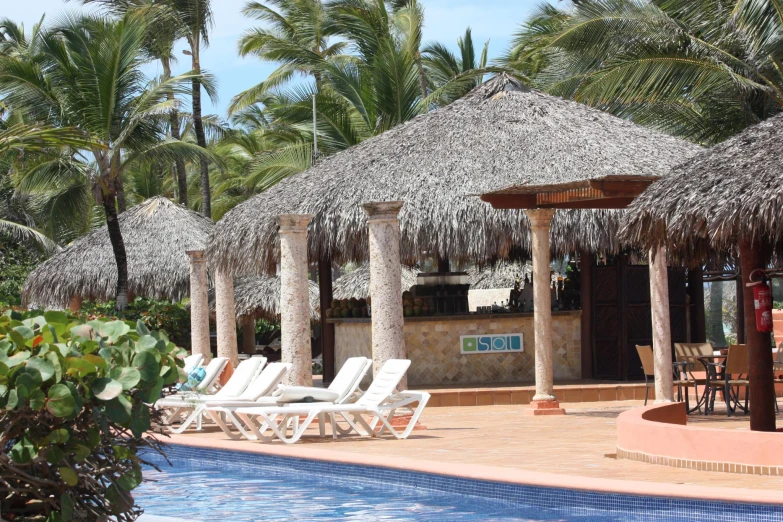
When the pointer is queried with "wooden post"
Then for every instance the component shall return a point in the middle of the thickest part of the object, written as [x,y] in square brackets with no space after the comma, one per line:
[443,265]
[696,292]
[327,329]
[75,304]
[740,308]
[586,292]
[754,255]
[248,335]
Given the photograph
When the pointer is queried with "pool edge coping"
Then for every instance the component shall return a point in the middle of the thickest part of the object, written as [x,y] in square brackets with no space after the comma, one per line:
[493,473]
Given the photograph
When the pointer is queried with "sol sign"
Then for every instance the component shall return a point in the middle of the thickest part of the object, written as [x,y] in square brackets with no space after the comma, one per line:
[496,343]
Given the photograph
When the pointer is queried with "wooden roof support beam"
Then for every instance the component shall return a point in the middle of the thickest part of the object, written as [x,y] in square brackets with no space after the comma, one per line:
[623,188]
[528,201]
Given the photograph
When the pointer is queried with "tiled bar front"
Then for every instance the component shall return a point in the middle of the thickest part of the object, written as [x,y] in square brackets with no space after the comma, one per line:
[433,345]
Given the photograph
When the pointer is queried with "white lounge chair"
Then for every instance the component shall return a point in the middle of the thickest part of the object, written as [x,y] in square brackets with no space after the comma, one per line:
[380,402]
[191,403]
[207,385]
[342,389]
[192,362]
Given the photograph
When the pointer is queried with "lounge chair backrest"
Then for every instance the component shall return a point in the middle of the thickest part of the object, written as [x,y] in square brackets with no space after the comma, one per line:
[241,378]
[211,373]
[384,384]
[648,359]
[779,355]
[192,362]
[737,360]
[350,375]
[265,382]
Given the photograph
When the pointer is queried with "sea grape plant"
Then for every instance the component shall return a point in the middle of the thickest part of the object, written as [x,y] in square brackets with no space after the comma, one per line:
[75,411]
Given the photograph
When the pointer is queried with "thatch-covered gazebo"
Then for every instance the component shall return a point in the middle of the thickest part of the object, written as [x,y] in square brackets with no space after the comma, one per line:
[356,283]
[501,134]
[727,198]
[157,233]
[258,297]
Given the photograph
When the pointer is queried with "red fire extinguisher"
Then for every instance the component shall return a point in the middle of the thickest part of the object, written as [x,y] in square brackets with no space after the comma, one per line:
[762,301]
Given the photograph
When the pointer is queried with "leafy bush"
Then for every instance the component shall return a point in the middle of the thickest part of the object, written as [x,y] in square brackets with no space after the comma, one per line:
[172,318]
[16,263]
[75,401]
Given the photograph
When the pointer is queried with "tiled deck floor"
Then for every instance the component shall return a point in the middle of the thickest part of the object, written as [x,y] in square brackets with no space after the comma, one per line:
[582,443]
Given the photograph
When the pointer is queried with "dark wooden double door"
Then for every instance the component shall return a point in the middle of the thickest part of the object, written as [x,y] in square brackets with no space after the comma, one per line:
[622,316]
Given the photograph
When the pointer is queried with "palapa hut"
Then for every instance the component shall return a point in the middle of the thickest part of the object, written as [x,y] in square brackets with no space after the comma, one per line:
[356,283]
[258,297]
[157,233]
[500,134]
[725,199]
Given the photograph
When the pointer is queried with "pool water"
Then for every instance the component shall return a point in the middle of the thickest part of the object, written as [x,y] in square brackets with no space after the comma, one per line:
[205,485]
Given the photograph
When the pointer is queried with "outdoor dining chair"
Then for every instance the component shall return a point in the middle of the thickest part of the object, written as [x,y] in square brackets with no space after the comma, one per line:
[687,362]
[647,356]
[733,377]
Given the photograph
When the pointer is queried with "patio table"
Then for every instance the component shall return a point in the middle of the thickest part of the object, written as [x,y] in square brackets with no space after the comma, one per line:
[710,368]
[712,363]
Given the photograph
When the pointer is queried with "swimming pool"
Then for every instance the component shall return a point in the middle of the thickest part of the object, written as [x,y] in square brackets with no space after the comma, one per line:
[206,485]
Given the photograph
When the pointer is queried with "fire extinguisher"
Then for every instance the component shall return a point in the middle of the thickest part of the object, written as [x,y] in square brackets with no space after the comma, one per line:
[762,300]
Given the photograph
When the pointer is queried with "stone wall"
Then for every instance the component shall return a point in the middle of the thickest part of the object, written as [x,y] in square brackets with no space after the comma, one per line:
[433,345]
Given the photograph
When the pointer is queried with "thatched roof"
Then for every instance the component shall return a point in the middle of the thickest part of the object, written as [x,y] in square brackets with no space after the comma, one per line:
[501,134]
[157,233]
[259,298]
[502,274]
[707,200]
[357,282]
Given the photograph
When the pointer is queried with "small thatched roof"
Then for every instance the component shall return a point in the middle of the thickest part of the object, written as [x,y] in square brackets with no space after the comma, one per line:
[259,298]
[357,282]
[500,134]
[157,233]
[502,274]
[702,206]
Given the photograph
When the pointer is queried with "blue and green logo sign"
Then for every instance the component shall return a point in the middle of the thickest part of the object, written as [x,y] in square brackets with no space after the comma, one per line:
[492,343]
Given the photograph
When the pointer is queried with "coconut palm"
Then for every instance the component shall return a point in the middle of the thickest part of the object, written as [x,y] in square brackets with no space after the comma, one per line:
[444,68]
[90,77]
[700,69]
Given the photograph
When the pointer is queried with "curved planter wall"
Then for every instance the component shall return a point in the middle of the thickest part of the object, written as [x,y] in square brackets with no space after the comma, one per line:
[659,435]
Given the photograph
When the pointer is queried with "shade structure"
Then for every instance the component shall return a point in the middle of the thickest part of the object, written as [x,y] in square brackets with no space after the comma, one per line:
[356,283]
[258,297]
[500,134]
[157,233]
[706,201]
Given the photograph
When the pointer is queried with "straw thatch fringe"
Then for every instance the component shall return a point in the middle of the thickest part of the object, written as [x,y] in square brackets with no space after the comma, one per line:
[499,135]
[259,298]
[357,282]
[157,233]
[707,201]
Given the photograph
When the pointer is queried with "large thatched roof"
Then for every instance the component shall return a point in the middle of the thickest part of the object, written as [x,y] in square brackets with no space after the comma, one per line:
[501,134]
[357,282]
[707,200]
[157,233]
[258,297]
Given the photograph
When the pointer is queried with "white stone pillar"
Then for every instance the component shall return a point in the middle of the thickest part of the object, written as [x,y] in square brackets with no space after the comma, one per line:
[544,401]
[226,317]
[295,299]
[388,339]
[661,326]
[199,305]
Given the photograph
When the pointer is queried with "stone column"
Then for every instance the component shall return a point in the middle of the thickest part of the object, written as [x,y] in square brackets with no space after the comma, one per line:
[544,401]
[199,305]
[661,325]
[388,339]
[295,299]
[75,304]
[226,317]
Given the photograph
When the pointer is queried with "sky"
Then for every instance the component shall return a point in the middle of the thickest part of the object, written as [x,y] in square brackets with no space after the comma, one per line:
[445,21]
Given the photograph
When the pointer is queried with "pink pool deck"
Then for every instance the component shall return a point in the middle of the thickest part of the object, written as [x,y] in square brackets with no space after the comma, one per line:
[498,443]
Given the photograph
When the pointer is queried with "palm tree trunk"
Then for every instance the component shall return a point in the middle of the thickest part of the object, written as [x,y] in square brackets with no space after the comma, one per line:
[422,77]
[118,247]
[121,194]
[715,332]
[206,196]
[180,173]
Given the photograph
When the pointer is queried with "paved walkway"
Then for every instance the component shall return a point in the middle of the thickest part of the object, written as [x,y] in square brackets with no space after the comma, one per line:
[582,444]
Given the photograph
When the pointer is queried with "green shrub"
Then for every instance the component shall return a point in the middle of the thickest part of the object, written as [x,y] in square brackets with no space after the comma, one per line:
[172,318]
[74,410]
[16,263]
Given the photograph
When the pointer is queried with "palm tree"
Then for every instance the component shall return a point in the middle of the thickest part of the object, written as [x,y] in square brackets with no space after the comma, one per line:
[445,69]
[90,77]
[196,20]
[699,69]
